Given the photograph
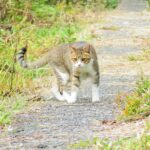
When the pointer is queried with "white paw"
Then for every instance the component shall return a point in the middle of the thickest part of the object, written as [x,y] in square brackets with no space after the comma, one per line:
[95,100]
[60,98]
[66,95]
[70,99]
[57,94]
[95,93]
[95,97]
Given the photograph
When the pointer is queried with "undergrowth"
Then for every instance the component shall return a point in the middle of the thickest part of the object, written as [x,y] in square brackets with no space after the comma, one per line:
[149,3]
[111,3]
[137,104]
[143,56]
[140,142]
[9,107]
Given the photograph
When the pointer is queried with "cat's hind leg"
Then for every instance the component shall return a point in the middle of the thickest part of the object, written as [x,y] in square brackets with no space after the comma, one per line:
[62,80]
[57,94]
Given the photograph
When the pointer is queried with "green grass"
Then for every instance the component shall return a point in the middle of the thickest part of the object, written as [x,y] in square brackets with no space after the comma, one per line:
[9,107]
[111,4]
[143,56]
[149,3]
[137,104]
[141,142]
[123,144]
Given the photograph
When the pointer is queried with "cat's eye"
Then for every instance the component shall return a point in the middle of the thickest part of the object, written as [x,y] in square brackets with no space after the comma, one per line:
[83,59]
[74,59]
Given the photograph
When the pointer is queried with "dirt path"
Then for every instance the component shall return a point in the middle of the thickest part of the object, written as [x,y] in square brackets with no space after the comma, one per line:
[54,125]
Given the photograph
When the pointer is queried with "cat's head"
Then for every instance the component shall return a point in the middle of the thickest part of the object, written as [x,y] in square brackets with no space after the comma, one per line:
[80,56]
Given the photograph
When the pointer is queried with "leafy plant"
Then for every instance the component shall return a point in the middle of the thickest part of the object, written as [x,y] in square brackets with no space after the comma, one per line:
[143,56]
[137,104]
[149,3]
[9,107]
[136,143]
[139,142]
[111,3]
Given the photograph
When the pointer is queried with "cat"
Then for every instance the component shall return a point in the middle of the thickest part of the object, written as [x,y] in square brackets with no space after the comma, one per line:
[71,63]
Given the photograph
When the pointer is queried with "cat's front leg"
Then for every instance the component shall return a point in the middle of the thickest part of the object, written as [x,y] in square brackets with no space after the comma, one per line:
[74,89]
[95,93]
[57,94]
[95,86]
[72,98]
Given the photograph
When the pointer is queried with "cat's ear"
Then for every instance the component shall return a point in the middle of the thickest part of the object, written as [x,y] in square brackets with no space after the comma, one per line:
[72,49]
[87,48]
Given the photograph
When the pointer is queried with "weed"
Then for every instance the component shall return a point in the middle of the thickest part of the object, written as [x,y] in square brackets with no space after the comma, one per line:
[142,143]
[149,3]
[9,107]
[137,104]
[143,56]
[111,3]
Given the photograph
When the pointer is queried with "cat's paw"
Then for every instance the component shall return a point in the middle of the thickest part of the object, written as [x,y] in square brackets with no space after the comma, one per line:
[59,97]
[70,101]
[69,98]
[66,95]
[57,94]
[95,97]
[95,93]
[95,100]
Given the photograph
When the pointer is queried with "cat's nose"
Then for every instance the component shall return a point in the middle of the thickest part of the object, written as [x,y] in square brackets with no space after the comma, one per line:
[79,65]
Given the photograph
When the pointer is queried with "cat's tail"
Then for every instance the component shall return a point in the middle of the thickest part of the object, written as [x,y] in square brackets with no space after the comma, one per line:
[31,65]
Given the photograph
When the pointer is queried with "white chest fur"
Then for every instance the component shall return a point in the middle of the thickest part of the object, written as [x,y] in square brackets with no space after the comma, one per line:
[87,70]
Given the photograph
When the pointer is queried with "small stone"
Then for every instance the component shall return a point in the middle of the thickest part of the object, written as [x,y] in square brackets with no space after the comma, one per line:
[41,146]
[18,130]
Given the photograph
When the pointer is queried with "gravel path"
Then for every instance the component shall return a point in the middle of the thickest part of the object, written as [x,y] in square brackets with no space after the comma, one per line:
[54,125]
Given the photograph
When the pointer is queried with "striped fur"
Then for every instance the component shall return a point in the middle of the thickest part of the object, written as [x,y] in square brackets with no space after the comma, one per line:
[21,57]
[32,65]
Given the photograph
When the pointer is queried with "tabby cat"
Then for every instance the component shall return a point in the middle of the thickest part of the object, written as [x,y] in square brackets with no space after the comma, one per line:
[71,64]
